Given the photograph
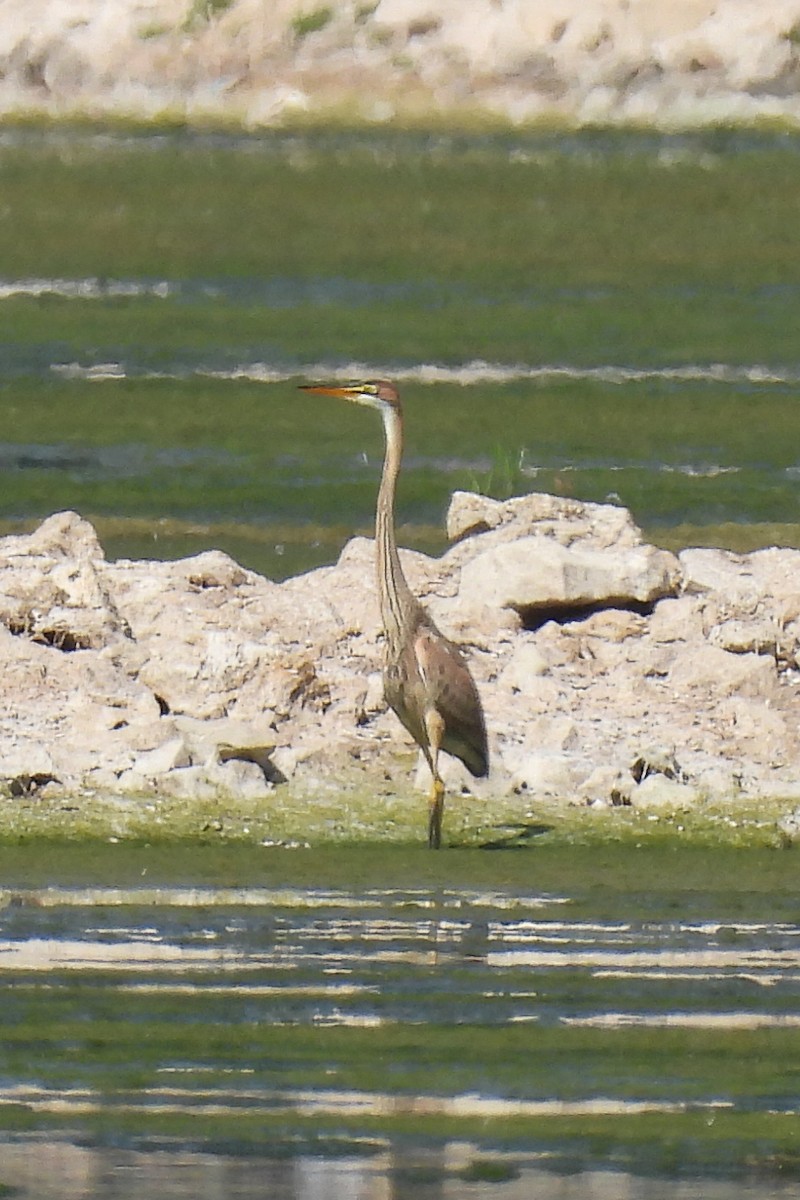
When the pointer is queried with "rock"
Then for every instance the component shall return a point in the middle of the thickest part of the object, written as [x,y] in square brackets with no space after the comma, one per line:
[682,62]
[719,778]
[657,791]
[526,664]
[723,673]
[758,732]
[613,626]
[537,695]
[562,520]
[788,827]
[214,782]
[199,677]
[24,759]
[554,732]
[621,791]
[370,699]
[606,785]
[242,778]
[676,619]
[540,773]
[455,776]
[718,571]
[760,636]
[535,575]
[52,586]
[207,740]
[65,535]
[657,760]
[167,757]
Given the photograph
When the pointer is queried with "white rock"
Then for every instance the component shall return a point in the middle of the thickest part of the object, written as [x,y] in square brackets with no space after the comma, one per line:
[656,791]
[605,785]
[676,619]
[746,637]
[562,520]
[205,738]
[52,586]
[25,757]
[611,626]
[526,664]
[214,782]
[758,732]
[553,733]
[455,776]
[245,663]
[723,673]
[545,774]
[656,760]
[171,754]
[670,64]
[719,571]
[535,573]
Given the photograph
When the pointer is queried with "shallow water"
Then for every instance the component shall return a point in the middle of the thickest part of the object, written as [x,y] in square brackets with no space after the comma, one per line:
[203,1038]
[606,316]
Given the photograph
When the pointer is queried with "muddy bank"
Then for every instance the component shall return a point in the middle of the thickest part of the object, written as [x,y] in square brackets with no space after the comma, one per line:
[676,64]
[613,674]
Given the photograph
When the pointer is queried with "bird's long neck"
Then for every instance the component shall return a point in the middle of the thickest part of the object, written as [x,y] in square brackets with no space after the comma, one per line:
[398,605]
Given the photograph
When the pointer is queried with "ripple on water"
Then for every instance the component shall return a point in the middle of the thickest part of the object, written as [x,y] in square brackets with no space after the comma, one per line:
[253,1016]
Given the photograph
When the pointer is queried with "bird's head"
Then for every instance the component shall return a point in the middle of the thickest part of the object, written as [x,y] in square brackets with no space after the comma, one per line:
[376,393]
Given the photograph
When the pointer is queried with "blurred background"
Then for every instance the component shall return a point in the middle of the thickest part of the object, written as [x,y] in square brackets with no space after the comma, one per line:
[606,315]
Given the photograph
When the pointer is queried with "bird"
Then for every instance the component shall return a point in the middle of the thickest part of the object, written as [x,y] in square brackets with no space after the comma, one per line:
[426,680]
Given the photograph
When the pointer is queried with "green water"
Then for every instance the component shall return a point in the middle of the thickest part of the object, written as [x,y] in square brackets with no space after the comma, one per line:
[401,1019]
[636,300]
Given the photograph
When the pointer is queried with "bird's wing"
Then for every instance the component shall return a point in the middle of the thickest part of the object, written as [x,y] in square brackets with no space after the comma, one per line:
[451,690]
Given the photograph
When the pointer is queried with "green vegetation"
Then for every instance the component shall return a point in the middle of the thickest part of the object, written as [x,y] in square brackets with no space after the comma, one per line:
[603,876]
[498,214]
[172,466]
[356,811]
[311,22]
[203,11]
[154,29]
[300,250]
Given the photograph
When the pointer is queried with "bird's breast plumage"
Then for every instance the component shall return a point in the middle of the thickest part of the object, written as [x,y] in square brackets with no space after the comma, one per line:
[428,672]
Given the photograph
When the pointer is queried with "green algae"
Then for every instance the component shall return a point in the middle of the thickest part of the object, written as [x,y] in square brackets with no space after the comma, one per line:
[298,816]
[358,1003]
[579,251]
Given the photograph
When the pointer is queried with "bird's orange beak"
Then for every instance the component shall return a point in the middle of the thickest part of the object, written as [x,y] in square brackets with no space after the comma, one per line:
[328,389]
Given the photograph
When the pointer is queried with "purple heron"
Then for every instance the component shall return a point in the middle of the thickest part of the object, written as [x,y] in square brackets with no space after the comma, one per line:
[425,678]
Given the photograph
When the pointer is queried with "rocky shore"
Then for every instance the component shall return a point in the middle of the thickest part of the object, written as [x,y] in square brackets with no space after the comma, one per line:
[675,64]
[612,672]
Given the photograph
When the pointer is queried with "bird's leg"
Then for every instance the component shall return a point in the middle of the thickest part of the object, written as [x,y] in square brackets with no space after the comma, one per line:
[435,813]
[434,725]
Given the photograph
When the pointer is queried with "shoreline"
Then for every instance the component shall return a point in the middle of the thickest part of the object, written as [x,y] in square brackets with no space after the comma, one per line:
[294,820]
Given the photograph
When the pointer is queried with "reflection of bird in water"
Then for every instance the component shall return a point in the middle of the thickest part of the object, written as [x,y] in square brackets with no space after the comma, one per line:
[425,678]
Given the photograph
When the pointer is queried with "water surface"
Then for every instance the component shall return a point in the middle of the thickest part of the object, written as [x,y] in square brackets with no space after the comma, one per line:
[573,1023]
[606,316]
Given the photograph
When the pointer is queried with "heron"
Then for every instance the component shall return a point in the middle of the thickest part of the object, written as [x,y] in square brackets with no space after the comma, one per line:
[426,680]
